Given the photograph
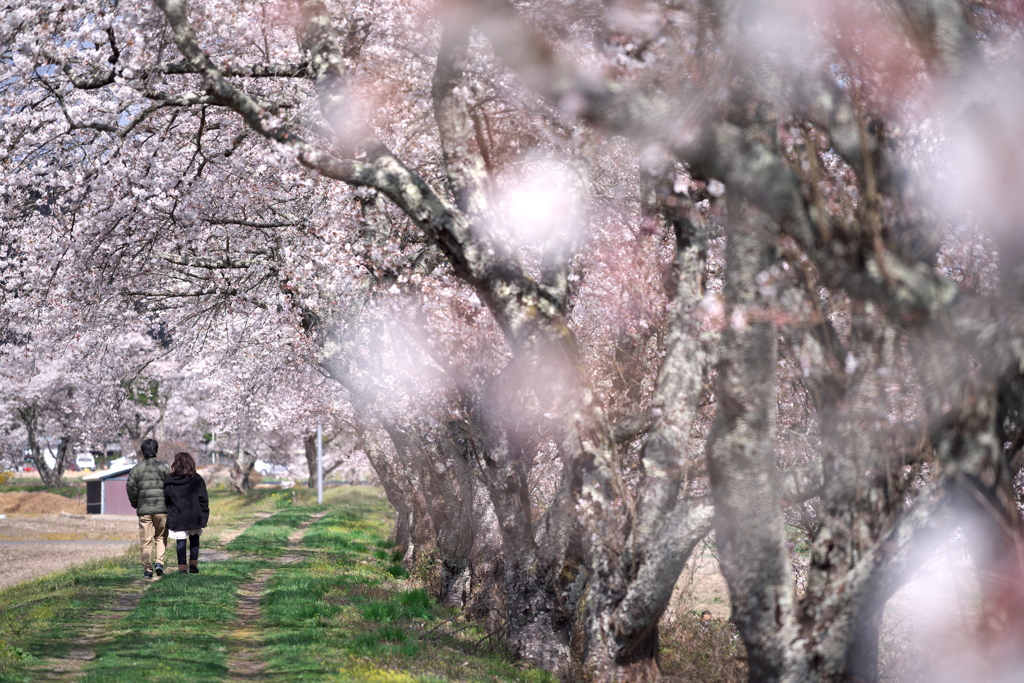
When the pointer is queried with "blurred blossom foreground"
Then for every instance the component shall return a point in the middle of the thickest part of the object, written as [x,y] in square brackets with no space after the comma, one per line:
[583,282]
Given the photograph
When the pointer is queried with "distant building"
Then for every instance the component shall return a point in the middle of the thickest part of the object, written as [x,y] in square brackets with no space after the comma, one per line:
[106,492]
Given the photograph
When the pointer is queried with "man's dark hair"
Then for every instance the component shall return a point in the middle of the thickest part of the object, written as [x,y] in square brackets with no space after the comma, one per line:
[149,448]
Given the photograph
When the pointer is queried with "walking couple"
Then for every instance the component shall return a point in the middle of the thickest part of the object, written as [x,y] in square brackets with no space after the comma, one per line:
[170,504]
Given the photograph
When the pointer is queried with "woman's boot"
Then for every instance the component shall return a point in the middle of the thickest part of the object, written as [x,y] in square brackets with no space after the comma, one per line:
[193,566]
[183,569]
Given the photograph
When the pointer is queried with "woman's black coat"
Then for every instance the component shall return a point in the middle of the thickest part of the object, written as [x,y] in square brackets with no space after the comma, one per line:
[188,506]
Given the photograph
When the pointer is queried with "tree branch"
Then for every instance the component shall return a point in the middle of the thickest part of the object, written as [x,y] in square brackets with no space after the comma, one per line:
[224,262]
[466,169]
[630,427]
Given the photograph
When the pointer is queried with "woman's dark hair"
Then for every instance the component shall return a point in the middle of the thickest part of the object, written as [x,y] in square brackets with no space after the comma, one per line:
[183,464]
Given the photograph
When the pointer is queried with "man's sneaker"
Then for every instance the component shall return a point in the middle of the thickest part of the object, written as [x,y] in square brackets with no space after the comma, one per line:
[159,569]
[147,574]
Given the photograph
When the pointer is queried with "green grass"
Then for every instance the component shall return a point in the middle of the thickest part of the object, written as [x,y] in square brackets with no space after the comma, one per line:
[177,632]
[228,509]
[231,510]
[42,618]
[178,618]
[344,614]
[414,604]
[74,490]
[192,614]
[268,537]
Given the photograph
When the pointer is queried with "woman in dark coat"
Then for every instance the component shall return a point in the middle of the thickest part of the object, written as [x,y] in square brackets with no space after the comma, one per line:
[188,509]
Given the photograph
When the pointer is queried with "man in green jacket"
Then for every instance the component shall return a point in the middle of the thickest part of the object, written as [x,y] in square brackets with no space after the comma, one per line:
[146,494]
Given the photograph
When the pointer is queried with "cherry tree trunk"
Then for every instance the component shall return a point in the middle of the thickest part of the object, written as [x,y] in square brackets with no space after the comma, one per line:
[610,659]
[309,448]
[486,600]
[537,623]
[395,487]
[622,623]
[624,609]
[449,495]
[422,535]
[858,500]
[242,467]
[749,529]
[53,476]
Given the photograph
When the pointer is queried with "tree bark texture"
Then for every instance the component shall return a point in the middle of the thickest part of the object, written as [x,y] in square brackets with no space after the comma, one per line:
[631,560]
[50,476]
[423,534]
[623,610]
[484,597]
[242,466]
[749,529]
[964,408]
[863,491]
[448,490]
[309,449]
[537,622]
[396,488]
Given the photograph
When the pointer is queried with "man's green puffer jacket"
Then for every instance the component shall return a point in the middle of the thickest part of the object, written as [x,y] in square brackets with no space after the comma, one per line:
[146,487]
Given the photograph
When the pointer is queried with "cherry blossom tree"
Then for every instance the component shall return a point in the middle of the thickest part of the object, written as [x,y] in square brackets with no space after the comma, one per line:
[60,393]
[39,405]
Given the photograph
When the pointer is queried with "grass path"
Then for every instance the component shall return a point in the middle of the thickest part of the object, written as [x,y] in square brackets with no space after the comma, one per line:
[102,625]
[183,628]
[245,661]
[306,594]
[52,628]
[228,535]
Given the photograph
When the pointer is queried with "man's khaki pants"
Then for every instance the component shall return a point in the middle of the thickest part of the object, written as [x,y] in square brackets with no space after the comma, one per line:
[152,528]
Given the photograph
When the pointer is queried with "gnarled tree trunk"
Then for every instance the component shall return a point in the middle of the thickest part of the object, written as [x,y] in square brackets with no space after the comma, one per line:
[449,494]
[242,466]
[423,535]
[50,476]
[537,623]
[749,529]
[395,487]
[623,614]
[309,449]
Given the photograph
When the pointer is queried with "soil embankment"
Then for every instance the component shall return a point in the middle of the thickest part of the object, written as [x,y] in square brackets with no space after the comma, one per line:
[38,502]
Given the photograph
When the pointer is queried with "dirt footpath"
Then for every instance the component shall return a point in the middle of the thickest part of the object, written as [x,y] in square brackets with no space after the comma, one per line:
[35,545]
[64,527]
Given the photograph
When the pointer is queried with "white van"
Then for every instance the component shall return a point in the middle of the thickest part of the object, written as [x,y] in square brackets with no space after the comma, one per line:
[85,461]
